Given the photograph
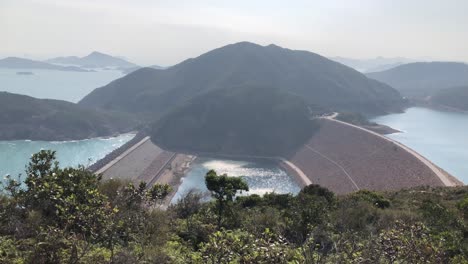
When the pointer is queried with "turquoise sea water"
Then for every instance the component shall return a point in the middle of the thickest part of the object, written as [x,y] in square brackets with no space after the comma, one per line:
[14,155]
[442,137]
[63,85]
[262,177]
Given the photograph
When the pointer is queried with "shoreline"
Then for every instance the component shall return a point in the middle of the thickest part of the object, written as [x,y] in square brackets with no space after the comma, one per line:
[290,168]
[446,178]
[437,107]
[176,179]
[73,140]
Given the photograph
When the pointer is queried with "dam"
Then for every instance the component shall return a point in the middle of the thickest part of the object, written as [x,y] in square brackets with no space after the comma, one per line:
[339,156]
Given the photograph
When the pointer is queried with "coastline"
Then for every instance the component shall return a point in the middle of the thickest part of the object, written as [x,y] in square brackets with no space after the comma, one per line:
[437,107]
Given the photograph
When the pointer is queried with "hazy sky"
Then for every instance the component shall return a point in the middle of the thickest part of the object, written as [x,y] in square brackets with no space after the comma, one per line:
[166,32]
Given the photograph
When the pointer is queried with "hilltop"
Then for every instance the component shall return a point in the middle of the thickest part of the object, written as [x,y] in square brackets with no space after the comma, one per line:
[24,117]
[316,79]
[247,120]
[130,70]
[94,60]
[422,79]
[20,63]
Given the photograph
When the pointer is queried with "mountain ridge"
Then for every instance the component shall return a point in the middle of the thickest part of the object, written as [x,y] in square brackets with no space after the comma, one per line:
[319,80]
[422,79]
[93,60]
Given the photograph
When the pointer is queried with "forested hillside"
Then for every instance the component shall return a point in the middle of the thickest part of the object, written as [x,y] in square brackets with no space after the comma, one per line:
[422,79]
[24,117]
[454,97]
[247,120]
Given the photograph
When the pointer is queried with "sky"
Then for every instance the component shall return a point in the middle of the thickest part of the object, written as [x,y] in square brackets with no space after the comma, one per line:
[161,32]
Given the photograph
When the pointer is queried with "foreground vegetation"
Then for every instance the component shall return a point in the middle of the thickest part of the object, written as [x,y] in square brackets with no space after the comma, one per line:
[71,216]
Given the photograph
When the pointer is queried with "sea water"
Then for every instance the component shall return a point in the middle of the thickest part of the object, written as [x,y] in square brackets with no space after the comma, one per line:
[51,84]
[261,176]
[441,137]
[15,155]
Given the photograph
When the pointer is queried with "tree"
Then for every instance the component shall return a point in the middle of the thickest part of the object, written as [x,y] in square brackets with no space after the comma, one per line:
[223,189]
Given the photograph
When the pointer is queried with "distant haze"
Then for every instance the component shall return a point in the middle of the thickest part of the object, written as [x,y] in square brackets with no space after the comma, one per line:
[166,32]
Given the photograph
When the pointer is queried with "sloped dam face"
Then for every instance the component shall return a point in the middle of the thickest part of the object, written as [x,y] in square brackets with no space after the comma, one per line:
[344,159]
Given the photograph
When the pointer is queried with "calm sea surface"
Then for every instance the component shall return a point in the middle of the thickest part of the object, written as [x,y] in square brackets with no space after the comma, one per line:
[14,155]
[262,177]
[442,137]
[63,85]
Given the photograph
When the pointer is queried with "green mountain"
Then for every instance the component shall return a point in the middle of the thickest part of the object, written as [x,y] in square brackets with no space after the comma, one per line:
[454,97]
[20,63]
[24,117]
[240,120]
[94,60]
[316,79]
[422,79]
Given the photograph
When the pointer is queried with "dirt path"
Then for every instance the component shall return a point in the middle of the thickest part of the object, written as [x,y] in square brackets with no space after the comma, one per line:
[444,178]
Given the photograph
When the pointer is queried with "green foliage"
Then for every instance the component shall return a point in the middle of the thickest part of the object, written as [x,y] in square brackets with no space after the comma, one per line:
[223,189]
[66,215]
[61,215]
[373,198]
[242,247]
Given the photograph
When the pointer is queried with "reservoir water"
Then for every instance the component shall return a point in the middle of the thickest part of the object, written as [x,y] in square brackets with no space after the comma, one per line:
[442,137]
[14,155]
[261,176]
[63,85]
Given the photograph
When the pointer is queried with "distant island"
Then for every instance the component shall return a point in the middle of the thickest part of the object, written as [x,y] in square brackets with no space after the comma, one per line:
[94,60]
[422,79]
[24,117]
[24,73]
[20,63]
